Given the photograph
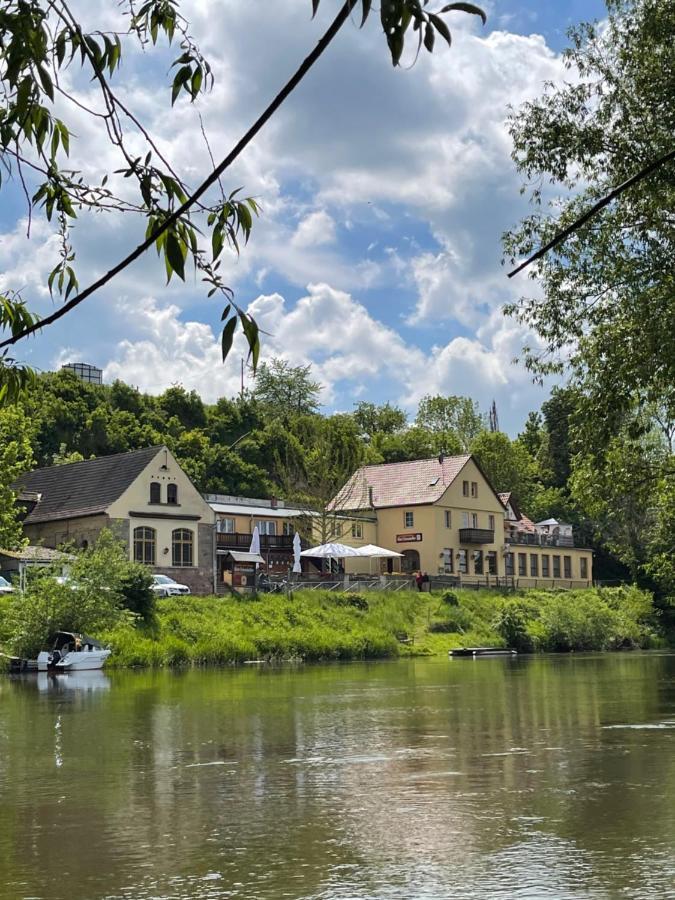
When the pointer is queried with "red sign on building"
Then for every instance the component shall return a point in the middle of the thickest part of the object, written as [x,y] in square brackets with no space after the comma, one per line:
[409,538]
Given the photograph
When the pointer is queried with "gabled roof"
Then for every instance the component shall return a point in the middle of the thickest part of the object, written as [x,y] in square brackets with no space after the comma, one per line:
[399,484]
[82,488]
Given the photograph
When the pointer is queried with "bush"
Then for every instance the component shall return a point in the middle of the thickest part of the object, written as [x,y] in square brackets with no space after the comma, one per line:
[450,598]
[138,597]
[455,620]
[511,624]
[358,601]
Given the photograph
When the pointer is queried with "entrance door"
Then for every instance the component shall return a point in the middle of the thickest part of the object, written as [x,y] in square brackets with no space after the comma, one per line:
[410,562]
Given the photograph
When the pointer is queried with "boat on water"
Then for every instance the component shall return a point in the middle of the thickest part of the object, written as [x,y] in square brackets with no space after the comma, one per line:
[473,652]
[72,652]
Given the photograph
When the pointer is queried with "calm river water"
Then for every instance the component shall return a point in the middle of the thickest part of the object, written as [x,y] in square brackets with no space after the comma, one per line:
[542,777]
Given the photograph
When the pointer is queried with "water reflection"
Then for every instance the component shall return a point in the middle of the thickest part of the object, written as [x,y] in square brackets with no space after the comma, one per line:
[550,777]
[82,682]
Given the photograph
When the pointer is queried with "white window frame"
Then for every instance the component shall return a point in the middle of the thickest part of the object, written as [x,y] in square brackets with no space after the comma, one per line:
[223,524]
[266,527]
[357,530]
[448,518]
[408,518]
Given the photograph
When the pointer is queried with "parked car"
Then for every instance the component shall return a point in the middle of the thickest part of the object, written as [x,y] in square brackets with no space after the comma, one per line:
[164,586]
[5,586]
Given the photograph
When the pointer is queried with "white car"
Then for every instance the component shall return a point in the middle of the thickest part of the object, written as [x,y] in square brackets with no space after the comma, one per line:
[164,586]
[5,586]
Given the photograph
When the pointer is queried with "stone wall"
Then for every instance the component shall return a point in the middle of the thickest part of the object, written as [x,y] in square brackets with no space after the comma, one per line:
[67,531]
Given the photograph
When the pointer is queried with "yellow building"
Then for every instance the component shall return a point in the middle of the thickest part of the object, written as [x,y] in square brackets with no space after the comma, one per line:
[444,516]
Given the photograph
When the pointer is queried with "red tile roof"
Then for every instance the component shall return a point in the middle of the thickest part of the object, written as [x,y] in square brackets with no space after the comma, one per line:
[399,484]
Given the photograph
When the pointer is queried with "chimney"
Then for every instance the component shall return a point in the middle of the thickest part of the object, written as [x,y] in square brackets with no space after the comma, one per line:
[273,502]
[441,457]
[370,497]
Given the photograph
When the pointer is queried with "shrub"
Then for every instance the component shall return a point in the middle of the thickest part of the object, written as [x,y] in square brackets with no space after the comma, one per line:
[450,598]
[455,620]
[511,624]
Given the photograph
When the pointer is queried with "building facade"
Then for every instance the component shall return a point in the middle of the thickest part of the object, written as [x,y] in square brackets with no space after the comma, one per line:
[143,496]
[444,517]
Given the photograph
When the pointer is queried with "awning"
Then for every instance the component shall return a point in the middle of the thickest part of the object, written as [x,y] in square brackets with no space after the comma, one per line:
[241,556]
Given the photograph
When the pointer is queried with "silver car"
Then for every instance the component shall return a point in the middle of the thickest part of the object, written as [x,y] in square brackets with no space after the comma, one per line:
[164,586]
[5,586]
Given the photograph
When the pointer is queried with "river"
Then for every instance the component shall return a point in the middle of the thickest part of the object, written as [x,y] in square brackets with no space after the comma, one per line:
[535,778]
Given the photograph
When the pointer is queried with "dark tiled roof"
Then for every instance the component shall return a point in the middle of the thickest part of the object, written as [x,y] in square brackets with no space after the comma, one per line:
[399,484]
[82,488]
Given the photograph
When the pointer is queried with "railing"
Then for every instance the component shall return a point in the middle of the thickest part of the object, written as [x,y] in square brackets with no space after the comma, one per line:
[476,536]
[238,541]
[533,539]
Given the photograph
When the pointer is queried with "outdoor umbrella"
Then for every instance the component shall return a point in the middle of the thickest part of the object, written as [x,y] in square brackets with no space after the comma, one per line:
[374,551]
[297,550]
[255,541]
[331,551]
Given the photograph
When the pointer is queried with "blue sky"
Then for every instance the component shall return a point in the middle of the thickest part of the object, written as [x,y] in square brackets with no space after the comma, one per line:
[384,193]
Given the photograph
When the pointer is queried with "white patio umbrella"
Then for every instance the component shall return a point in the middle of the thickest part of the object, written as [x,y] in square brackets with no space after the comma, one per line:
[331,551]
[374,552]
[255,541]
[297,551]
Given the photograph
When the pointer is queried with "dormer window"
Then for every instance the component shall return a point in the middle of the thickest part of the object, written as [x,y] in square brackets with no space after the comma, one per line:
[155,492]
[172,494]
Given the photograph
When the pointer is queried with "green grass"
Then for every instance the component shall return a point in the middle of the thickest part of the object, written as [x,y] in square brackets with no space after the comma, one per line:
[320,625]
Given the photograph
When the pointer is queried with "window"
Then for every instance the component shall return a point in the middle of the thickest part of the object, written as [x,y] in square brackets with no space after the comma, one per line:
[492,562]
[465,520]
[155,492]
[583,567]
[474,489]
[567,566]
[172,494]
[545,567]
[287,528]
[491,522]
[522,563]
[145,541]
[461,562]
[181,547]
[508,562]
[556,567]
[448,561]
[474,520]
[478,562]
[266,526]
[225,525]
[357,530]
[408,519]
[465,488]
[534,565]
[448,519]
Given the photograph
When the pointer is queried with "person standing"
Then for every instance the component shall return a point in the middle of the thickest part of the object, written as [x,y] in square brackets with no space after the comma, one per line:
[419,578]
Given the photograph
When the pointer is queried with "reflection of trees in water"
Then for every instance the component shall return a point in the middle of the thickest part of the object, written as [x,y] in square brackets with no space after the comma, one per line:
[274,779]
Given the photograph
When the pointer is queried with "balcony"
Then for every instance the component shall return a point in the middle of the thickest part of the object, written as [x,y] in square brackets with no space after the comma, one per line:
[276,542]
[476,536]
[538,540]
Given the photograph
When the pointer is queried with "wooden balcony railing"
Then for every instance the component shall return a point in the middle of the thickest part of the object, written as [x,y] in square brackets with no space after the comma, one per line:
[476,536]
[239,541]
[531,539]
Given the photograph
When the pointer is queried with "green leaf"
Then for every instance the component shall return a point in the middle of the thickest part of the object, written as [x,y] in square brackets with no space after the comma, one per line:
[429,37]
[470,8]
[228,336]
[315,6]
[174,255]
[46,82]
[366,5]
[441,28]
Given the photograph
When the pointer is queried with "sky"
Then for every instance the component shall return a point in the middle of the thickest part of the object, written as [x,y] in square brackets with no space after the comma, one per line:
[384,194]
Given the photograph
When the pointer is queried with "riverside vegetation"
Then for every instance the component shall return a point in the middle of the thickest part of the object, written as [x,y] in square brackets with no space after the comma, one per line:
[110,597]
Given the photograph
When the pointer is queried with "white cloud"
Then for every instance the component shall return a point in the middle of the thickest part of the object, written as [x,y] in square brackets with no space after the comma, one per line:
[314,230]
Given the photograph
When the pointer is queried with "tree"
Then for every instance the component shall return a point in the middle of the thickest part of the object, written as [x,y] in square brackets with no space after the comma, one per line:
[608,291]
[283,390]
[458,416]
[372,419]
[508,466]
[16,457]
[38,41]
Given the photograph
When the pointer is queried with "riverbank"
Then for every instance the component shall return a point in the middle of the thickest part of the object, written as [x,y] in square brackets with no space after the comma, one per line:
[320,625]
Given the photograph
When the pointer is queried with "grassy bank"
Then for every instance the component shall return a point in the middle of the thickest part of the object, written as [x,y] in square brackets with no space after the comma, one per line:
[318,625]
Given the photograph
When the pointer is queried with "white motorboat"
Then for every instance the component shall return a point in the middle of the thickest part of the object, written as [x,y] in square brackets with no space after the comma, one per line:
[72,653]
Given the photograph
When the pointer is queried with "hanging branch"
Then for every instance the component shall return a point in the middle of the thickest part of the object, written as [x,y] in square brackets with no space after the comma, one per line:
[605,201]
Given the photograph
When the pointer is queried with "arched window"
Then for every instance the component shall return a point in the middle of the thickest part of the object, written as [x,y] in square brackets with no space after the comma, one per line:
[172,493]
[145,542]
[155,492]
[181,547]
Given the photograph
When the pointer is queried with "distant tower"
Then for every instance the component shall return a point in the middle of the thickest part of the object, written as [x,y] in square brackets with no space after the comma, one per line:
[494,418]
[85,372]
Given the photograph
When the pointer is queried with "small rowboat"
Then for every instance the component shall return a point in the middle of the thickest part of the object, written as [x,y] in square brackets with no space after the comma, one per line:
[473,652]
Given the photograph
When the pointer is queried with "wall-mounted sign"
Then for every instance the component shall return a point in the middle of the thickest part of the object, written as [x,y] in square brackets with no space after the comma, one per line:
[409,538]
